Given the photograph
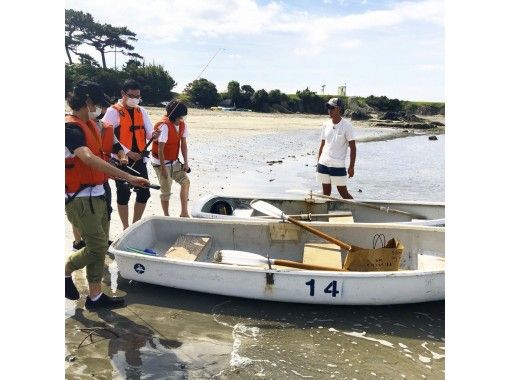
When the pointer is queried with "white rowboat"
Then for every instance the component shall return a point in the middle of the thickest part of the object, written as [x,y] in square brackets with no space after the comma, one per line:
[238,208]
[421,277]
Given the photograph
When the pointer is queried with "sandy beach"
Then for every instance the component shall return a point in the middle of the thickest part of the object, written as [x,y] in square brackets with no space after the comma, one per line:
[169,333]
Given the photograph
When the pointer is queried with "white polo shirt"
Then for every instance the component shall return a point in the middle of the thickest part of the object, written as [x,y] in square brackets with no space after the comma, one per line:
[112,117]
[337,137]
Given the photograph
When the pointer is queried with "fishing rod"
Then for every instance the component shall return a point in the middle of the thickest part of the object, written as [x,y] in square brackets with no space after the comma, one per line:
[145,151]
[119,164]
[131,186]
[205,67]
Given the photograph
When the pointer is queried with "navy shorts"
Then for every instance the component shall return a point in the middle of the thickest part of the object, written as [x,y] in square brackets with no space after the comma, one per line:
[331,175]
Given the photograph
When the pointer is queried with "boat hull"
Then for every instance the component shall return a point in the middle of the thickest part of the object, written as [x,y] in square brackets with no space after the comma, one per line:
[310,287]
[423,281]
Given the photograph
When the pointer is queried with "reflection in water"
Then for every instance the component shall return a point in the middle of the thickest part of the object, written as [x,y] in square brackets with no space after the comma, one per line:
[113,269]
[133,348]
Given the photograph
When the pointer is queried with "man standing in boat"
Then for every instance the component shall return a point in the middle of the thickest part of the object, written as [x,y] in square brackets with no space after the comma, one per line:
[336,136]
[165,155]
[132,127]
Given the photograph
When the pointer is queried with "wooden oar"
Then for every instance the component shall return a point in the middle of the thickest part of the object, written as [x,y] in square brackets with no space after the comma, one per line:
[268,209]
[227,256]
[368,205]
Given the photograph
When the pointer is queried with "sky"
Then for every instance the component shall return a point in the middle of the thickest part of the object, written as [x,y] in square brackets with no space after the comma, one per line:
[392,48]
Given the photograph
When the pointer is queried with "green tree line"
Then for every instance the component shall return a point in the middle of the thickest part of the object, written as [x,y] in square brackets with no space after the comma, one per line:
[157,84]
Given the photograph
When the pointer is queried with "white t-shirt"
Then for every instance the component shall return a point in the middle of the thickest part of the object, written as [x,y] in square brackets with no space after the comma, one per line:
[112,117]
[337,137]
[163,138]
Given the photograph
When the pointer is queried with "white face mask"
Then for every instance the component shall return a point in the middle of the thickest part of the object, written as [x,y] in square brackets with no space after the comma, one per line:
[132,102]
[95,114]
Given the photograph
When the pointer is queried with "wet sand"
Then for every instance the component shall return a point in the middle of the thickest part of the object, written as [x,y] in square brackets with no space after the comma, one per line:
[170,333]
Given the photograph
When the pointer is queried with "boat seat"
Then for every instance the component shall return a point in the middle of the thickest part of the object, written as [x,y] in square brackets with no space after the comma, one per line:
[324,254]
[347,218]
[189,247]
[243,212]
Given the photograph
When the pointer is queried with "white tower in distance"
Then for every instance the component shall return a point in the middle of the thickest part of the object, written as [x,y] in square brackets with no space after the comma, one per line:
[342,90]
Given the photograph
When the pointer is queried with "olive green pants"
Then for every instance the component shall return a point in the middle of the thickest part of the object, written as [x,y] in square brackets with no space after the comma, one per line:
[94,228]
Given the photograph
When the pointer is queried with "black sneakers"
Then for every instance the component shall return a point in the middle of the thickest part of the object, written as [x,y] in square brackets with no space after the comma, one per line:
[71,291]
[104,302]
[78,245]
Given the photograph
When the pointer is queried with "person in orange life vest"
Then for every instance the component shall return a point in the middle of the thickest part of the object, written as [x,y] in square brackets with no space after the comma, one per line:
[85,174]
[110,144]
[165,155]
[132,127]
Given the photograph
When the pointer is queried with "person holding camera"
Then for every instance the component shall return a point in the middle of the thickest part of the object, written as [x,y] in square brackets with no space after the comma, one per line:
[165,155]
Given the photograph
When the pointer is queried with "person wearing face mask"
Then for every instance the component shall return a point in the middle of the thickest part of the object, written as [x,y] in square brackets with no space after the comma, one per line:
[132,127]
[86,208]
[165,155]
[110,144]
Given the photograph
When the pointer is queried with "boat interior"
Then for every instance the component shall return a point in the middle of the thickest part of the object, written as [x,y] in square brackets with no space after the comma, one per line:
[318,209]
[199,239]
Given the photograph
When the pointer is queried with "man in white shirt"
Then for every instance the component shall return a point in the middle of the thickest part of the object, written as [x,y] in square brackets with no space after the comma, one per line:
[132,127]
[336,136]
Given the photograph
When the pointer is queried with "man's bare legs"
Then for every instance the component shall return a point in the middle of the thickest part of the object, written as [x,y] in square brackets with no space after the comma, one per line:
[138,211]
[343,192]
[124,215]
[326,188]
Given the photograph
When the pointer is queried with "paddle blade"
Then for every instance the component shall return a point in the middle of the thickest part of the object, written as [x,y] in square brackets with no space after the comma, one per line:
[267,209]
[227,256]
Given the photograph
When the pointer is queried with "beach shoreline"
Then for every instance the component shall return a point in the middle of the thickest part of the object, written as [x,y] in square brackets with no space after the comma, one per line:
[170,332]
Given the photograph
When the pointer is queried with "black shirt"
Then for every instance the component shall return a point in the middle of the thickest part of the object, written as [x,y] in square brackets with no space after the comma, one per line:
[75,138]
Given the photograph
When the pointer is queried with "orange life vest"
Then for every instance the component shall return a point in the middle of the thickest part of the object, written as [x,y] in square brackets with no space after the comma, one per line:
[107,143]
[127,127]
[107,140]
[173,143]
[78,174]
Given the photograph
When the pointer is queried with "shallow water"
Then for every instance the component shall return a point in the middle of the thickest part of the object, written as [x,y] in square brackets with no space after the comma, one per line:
[166,333]
[175,334]
[409,168]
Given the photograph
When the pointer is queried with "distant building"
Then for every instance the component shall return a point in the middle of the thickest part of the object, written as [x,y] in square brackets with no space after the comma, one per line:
[342,90]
